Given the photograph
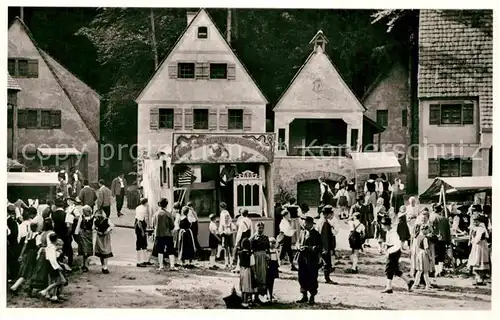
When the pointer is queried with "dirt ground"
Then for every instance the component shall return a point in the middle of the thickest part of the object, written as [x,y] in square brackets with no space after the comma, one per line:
[130,287]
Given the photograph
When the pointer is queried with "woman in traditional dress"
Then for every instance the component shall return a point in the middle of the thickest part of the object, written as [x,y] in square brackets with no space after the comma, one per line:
[193,219]
[247,261]
[103,227]
[260,246]
[27,257]
[351,190]
[479,258]
[412,212]
[273,267]
[365,217]
[84,230]
[384,188]
[371,191]
[396,197]
[403,230]
[380,213]
[422,223]
[186,243]
[422,257]
[176,214]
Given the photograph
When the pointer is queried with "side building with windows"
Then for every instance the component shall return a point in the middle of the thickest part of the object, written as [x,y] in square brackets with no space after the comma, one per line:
[387,102]
[57,118]
[455,94]
[202,129]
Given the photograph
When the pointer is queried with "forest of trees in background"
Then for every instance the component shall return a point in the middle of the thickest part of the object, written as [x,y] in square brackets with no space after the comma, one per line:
[114,50]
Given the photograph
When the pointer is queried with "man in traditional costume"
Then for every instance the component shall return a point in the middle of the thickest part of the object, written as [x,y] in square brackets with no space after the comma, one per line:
[328,241]
[308,260]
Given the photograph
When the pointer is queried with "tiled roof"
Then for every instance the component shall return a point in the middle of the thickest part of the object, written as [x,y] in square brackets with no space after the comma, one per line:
[11,83]
[456,57]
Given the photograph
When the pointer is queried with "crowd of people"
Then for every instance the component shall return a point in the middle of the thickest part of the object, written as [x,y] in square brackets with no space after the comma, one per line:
[40,236]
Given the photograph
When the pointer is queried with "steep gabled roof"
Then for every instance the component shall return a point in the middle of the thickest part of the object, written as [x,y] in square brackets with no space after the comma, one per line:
[456,57]
[161,65]
[313,53]
[12,84]
[84,99]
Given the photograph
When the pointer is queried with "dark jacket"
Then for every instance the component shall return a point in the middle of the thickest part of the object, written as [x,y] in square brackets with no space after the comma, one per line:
[88,196]
[327,237]
[310,247]
[441,227]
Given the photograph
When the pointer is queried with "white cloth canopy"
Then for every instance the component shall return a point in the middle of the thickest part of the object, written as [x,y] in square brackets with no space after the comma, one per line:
[32,179]
[58,151]
[458,184]
[375,162]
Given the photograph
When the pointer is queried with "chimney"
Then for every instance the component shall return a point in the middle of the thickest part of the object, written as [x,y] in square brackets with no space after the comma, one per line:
[319,40]
[190,16]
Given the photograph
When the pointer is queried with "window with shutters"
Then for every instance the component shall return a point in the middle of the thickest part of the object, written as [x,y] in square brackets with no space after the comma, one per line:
[166,118]
[31,119]
[451,113]
[23,68]
[383,117]
[21,118]
[235,119]
[281,139]
[200,119]
[454,167]
[218,71]
[202,32]
[404,118]
[46,121]
[185,70]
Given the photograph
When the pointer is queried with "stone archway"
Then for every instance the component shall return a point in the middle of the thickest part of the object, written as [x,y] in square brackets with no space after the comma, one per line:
[311,176]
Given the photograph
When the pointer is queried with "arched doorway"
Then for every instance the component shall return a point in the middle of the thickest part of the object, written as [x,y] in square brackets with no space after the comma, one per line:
[309,192]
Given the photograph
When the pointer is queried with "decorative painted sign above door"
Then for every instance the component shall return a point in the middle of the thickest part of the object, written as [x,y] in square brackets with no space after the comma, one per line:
[223,148]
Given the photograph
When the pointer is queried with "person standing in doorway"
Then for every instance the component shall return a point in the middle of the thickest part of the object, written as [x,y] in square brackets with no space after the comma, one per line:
[104,198]
[87,195]
[118,186]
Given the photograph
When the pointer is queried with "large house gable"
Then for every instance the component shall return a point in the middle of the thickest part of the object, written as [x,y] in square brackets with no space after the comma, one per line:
[318,85]
[23,45]
[187,49]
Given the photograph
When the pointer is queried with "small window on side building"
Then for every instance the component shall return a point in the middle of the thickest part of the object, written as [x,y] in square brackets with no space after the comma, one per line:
[202,32]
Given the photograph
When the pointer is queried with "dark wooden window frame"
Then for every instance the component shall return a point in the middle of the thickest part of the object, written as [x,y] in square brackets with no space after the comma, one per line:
[202,32]
[404,118]
[445,166]
[201,118]
[186,70]
[383,117]
[218,71]
[165,118]
[235,119]
[16,70]
[282,139]
[440,113]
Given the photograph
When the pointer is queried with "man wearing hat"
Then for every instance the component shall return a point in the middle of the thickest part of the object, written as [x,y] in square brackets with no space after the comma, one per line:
[328,241]
[442,237]
[393,243]
[308,260]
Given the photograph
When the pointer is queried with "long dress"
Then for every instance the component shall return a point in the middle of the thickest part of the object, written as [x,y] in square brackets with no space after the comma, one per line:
[479,257]
[40,276]
[28,258]
[246,272]
[86,246]
[380,232]
[351,189]
[422,258]
[103,242]
[403,230]
[260,247]
[186,243]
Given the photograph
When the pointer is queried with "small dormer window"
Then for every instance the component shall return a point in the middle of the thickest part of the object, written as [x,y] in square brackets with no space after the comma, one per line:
[202,32]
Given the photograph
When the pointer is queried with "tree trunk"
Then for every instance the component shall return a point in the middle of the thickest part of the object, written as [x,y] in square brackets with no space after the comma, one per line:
[228,26]
[153,37]
[414,110]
